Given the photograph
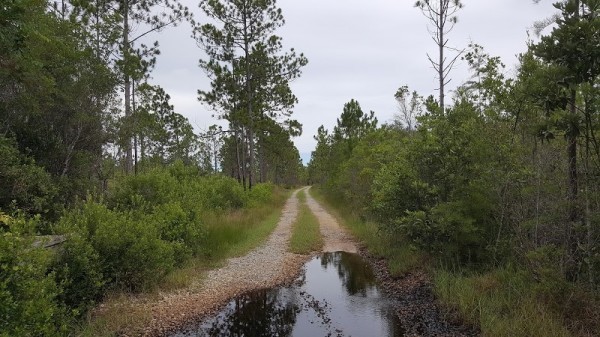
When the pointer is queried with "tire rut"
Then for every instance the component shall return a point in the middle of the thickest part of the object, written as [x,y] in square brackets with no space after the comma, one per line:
[335,237]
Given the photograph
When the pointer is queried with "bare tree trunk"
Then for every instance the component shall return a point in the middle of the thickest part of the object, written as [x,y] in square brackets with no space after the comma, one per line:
[127,78]
[97,17]
[587,212]
[441,46]
[574,216]
[70,151]
[215,152]
[589,228]
[237,156]
[573,186]
[250,157]
[135,134]
[249,97]
[441,13]
[262,163]
[244,156]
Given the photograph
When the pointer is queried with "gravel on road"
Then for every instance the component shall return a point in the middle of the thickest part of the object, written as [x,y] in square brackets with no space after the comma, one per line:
[266,266]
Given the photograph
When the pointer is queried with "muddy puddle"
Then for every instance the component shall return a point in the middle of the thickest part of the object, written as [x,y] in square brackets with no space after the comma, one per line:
[336,295]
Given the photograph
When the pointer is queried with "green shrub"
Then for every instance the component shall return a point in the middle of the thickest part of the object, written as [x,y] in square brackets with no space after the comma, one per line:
[447,230]
[180,228]
[79,274]
[143,191]
[261,194]
[222,193]
[176,184]
[396,190]
[183,172]
[28,292]
[25,186]
[132,254]
[130,250]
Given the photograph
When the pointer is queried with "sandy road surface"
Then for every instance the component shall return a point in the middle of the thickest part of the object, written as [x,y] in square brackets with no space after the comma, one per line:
[335,238]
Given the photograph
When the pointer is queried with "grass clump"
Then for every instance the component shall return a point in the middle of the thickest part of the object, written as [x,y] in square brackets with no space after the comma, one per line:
[236,233]
[503,302]
[306,236]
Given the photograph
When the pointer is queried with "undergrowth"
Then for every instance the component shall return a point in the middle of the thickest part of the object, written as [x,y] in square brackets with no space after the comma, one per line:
[228,234]
[506,301]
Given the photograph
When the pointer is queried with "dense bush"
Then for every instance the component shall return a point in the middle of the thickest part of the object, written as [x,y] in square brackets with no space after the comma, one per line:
[160,186]
[261,194]
[440,193]
[146,226]
[221,193]
[24,185]
[28,292]
[142,191]
[182,229]
[78,271]
[149,224]
[112,244]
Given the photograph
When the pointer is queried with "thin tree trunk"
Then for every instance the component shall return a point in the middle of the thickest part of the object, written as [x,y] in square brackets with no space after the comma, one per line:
[588,225]
[250,157]
[244,155]
[215,151]
[237,156]
[70,151]
[587,211]
[572,193]
[97,16]
[249,97]
[441,60]
[262,164]
[573,186]
[135,130]
[127,78]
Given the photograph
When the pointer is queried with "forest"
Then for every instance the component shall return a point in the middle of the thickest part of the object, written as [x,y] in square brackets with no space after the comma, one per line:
[105,189]
[94,156]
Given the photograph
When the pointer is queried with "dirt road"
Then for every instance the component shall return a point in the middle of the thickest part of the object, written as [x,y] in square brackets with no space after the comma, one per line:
[267,266]
[272,264]
[335,238]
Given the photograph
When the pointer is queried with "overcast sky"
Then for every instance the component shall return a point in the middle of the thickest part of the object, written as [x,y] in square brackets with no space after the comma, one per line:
[357,49]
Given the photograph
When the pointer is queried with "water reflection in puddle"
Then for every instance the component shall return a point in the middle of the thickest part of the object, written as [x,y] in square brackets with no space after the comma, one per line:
[335,296]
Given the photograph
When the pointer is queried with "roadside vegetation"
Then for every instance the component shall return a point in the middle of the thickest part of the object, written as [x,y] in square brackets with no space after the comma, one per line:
[156,230]
[306,236]
[497,191]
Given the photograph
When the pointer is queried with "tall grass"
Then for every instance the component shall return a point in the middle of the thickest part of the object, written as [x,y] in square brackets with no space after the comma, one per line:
[236,233]
[502,302]
[400,256]
[228,235]
[306,236]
